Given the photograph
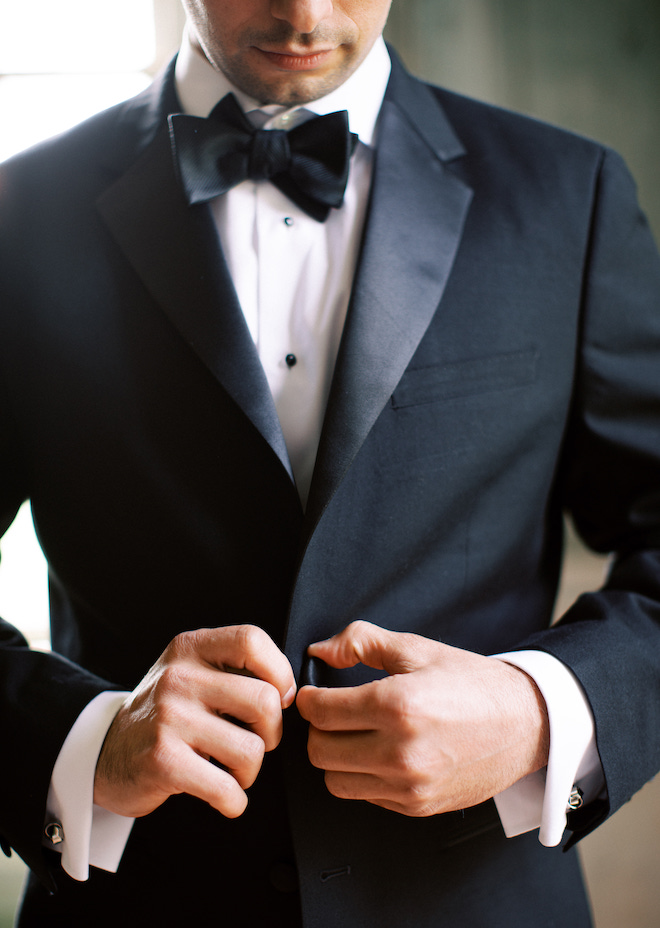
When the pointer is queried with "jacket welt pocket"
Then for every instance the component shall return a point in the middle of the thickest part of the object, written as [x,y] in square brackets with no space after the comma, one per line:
[466,378]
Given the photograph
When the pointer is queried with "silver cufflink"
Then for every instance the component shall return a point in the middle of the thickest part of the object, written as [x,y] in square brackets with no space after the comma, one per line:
[575,800]
[54,832]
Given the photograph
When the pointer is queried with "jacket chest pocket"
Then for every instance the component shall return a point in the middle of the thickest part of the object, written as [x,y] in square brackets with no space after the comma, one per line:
[466,378]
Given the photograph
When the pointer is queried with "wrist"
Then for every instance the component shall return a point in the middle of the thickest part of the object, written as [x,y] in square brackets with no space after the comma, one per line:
[533,723]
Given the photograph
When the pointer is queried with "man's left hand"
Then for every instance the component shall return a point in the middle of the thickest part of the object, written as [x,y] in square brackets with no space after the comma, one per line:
[447,729]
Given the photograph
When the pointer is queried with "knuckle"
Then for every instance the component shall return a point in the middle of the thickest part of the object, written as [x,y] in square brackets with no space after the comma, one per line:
[174,678]
[336,785]
[412,767]
[250,749]
[250,639]
[359,628]
[411,795]
[417,788]
[267,703]
[421,802]
[404,761]
[172,716]
[228,791]
[314,751]
[184,644]
[405,709]
[313,707]
[163,761]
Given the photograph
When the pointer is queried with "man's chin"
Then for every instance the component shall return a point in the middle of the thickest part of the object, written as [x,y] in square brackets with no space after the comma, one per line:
[272,85]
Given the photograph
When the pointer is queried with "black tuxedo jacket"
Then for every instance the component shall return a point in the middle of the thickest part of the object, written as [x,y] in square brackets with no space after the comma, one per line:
[500,363]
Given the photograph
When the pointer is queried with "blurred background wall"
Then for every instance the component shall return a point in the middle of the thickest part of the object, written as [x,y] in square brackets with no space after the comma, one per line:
[589,65]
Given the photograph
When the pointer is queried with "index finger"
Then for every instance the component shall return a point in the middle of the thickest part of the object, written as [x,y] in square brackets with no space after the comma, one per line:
[247,650]
[345,708]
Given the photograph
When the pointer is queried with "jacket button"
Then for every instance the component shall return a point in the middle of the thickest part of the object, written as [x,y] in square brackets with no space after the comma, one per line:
[284,878]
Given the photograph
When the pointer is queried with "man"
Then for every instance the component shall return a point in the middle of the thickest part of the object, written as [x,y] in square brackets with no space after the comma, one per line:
[272,435]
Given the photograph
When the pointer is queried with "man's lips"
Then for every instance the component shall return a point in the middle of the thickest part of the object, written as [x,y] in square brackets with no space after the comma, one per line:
[297,61]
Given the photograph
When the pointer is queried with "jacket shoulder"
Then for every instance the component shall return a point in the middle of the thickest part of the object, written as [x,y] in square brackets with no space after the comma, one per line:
[480,124]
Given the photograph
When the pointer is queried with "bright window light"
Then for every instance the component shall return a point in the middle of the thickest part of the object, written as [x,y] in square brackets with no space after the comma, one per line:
[59,36]
[36,107]
[23,581]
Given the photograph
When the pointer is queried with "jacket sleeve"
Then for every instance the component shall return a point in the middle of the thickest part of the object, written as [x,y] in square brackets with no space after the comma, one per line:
[610,484]
[41,694]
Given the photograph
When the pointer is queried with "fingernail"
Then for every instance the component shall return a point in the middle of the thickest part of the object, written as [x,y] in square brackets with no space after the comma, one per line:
[289,697]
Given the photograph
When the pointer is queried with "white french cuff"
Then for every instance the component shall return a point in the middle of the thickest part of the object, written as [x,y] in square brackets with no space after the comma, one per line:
[540,800]
[91,835]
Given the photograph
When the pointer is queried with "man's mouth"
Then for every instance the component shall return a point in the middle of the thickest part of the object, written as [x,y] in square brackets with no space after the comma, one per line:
[296,61]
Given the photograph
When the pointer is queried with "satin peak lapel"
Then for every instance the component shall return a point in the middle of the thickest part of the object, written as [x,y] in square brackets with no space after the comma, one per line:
[415,222]
[174,249]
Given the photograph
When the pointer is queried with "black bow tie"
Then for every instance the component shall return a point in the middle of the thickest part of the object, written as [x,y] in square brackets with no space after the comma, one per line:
[309,164]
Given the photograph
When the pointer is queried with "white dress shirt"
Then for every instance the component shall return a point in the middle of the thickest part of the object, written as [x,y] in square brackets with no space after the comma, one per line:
[293,278]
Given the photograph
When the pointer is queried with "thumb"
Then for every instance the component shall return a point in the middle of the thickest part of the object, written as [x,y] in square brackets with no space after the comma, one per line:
[364,643]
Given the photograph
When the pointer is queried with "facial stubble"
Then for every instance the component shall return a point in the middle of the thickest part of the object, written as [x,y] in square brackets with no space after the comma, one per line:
[286,88]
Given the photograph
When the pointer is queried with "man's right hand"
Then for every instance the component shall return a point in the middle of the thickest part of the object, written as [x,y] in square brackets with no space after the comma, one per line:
[214,694]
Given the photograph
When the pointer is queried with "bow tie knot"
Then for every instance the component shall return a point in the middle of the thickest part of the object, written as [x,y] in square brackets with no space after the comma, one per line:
[270,154]
[309,164]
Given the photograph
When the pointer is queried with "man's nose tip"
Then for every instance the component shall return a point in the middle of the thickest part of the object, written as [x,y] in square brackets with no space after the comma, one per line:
[302,15]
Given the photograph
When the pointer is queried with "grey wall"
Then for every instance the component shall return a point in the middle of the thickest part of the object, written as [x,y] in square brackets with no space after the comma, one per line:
[589,65]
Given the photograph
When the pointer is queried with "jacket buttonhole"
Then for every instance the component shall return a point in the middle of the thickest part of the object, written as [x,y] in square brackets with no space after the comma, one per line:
[331,874]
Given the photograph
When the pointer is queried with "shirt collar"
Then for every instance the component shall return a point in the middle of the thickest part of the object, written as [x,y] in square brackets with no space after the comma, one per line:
[199,87]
